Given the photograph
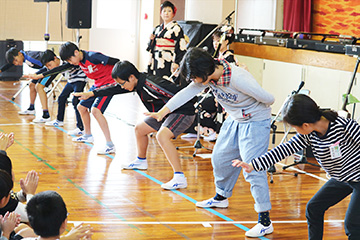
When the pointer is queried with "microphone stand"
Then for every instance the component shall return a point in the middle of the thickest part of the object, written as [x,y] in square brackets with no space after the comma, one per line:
[272,169]
[198,144]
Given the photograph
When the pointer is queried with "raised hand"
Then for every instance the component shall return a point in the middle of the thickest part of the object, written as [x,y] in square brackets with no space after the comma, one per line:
[30,183]
[8,223]
[79,232]
[4,141]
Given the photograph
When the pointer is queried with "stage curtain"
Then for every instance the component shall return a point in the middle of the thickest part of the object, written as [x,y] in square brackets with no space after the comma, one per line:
[297,15]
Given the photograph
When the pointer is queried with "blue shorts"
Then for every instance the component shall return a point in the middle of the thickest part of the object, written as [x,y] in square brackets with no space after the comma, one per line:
[46,81]
[100,103]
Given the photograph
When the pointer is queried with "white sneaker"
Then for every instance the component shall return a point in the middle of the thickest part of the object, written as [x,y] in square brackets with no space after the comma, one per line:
[41,120]
[175,183]
[55,123]
[259,230]
[137,164]
[213,203]
[27,112]
[76,132]
[211,137]
[189,135]
[83,139]
[106,150]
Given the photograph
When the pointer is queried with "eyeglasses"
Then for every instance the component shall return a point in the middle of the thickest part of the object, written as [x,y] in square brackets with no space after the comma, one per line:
[122,84]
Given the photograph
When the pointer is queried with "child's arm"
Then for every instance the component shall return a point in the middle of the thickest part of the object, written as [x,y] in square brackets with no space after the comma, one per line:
[6,67]
[54,71]
[247,167]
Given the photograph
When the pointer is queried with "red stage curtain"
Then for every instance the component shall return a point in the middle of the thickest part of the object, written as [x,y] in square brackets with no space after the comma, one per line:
[297,15]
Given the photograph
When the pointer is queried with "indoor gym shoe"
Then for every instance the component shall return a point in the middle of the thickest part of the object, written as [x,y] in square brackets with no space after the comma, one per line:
[259,230]
[189,135]
[106,150]
[41,120]
[213,203]
[179,182]
[137,164]
[55,123]
[76,132]
[83,139]
[27,112]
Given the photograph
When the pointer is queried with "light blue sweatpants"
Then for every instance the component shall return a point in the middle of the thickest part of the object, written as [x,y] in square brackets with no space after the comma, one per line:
[243,141]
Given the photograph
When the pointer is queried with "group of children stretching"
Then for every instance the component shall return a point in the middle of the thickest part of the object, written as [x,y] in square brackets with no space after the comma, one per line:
[244,136]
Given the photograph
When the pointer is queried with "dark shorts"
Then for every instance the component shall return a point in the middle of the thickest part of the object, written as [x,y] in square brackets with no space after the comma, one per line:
[46,81]
[100,103]
[177,123]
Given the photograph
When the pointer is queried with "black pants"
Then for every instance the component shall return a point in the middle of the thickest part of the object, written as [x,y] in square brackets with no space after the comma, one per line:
[330,194]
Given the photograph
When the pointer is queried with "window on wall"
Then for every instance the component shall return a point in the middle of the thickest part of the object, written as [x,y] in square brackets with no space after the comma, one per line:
[115,14]
[256,14]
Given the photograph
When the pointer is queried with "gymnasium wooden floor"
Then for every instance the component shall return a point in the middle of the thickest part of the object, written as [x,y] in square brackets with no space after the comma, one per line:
[129,204]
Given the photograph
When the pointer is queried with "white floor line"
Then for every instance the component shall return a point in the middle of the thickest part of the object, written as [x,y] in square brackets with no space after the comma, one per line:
[205,224]
[309,174]
[15,124]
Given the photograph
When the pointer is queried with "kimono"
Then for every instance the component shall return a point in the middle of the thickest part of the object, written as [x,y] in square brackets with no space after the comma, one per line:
[168,46]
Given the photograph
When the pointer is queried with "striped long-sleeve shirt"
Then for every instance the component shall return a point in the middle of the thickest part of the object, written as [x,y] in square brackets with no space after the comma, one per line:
[343,132]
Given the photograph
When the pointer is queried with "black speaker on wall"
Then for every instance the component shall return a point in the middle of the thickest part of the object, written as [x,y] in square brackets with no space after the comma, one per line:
[78,14]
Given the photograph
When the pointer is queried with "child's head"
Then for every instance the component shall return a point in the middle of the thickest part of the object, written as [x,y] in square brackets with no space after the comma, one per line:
[197,63]
[168,11]
[47,214]
[49,59]
[14,56]
[123,72]
[6,184]
[70,52]
[300,109]
[229,37]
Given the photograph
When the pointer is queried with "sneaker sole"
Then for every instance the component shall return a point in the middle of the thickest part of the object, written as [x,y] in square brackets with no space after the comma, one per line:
[127,168]
[101,153]
[182,187]
[212,206]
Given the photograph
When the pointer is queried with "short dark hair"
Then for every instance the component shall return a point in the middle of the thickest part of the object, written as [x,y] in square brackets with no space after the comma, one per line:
[6,184]
[168,4]
[11,54]
[67,50]
[230,36]
[47,56]
[46,212]
[300,109]
[123,70]
[197,62]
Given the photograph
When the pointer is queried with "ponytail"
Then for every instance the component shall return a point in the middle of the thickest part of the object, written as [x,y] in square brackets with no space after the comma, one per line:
[329,114]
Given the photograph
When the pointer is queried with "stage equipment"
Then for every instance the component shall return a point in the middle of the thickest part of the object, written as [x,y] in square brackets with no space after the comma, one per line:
[15,72]
[78,14]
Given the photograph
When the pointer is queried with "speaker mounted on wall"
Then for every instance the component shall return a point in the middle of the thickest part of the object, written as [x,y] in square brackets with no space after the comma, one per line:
[78,14]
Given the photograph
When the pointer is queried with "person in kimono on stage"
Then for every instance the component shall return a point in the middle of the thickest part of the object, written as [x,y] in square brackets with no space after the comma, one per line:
[167,44]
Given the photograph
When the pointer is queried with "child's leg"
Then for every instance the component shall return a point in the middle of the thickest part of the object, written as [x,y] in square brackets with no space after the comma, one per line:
[97,110]
[32,92]
[352,217]
[42,95]
[329,194]
[102,123]
[85,117]
[164,137]
[78,87]
[141,131]
[62,101]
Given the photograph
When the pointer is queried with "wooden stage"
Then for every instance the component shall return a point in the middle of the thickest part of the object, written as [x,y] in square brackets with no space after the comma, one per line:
[129,204]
